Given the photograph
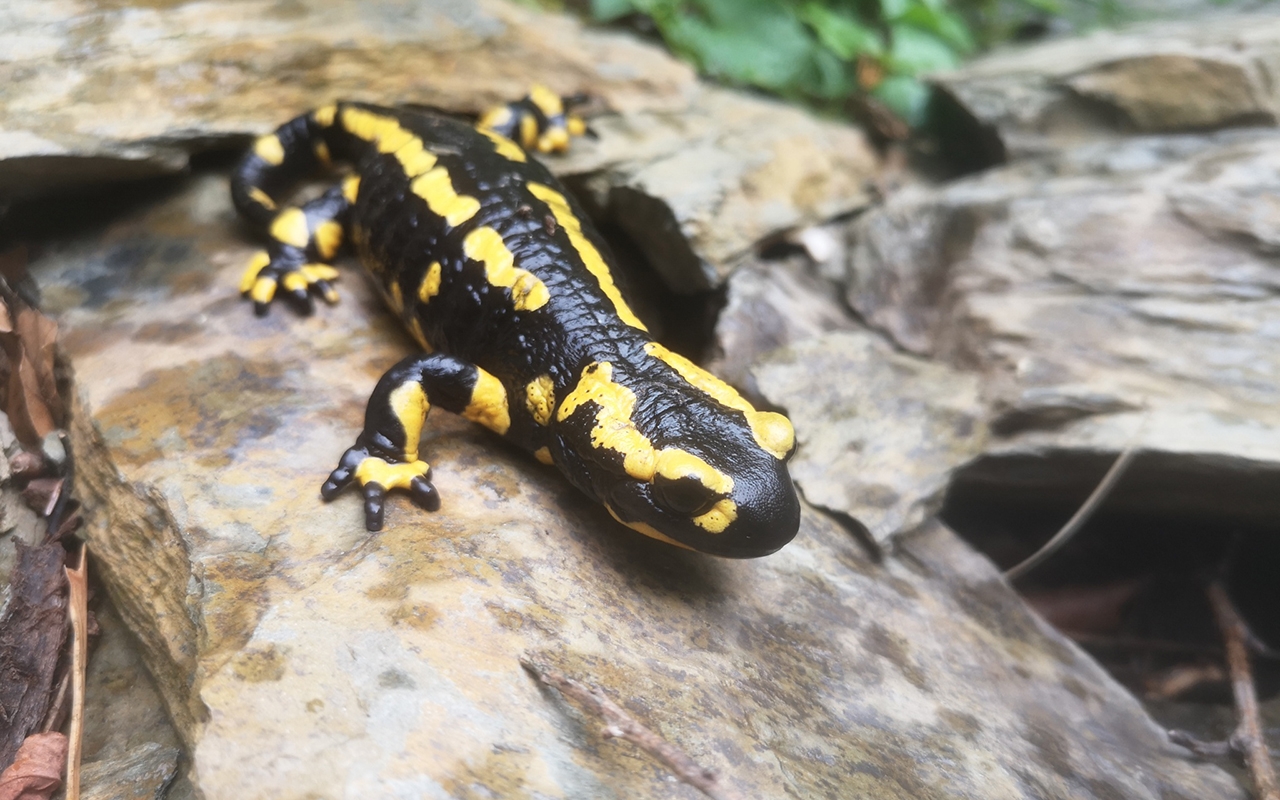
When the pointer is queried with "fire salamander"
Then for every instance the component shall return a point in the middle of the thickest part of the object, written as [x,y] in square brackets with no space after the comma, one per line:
[504,283]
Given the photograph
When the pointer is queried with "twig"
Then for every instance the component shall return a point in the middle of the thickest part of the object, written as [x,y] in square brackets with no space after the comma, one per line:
[1083,513]
[1199,746]
[78,610]
[1248,736]
[621,725]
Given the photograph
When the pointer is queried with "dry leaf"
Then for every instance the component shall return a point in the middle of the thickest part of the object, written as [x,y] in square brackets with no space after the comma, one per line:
[37,771]
[32,633]
[1085,609]
[27,380]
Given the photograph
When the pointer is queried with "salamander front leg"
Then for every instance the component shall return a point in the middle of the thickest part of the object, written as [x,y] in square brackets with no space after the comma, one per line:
[385,455]
[303,240]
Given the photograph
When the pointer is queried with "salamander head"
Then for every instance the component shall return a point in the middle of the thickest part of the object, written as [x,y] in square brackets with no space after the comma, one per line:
[692,464]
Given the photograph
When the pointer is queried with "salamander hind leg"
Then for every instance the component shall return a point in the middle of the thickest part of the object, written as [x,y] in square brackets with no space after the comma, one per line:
[385,455]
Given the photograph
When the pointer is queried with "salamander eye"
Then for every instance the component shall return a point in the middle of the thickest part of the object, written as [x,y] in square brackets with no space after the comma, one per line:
[686,496]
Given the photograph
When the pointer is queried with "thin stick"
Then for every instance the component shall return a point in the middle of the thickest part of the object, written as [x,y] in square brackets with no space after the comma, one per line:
[1248,736]
[621,725]
[1081,516]
[78,610]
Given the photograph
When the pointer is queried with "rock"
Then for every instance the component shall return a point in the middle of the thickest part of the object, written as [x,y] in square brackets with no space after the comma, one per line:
[1197,74]
[1106,293]
[130,749]
[301,655]
[878,432]
[769,304]
[696,191]
[142,774]
[96,91]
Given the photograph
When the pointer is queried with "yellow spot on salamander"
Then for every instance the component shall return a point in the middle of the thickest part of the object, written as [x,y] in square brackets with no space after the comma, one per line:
[591,258]
[430,286]
[351,187]
[528,130]
[415,158]
[367,125]
[547,101]
[495,117]
[543,454]
[675,464]
[773,432]
[322,153]
[257,262]
[528,293]
[575,125]
[264,289]
[488,404]
[540,398]
[719,517]
[504,146]
[290,227]
[294,281]
[390,476]
[486,246]
[319,272]
[262,198]
[614,428]
[328,238]
[410,405]
[646,529]
[269,149]
[436,188]
[324,115]
[555,140]
[393,138]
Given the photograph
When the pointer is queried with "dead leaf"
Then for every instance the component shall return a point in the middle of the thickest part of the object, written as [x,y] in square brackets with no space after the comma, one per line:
[28,383]
[37,771]
[32,633]
[1085,609]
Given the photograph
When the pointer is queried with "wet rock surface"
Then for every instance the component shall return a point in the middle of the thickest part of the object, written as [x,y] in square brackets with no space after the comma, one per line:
[299,654]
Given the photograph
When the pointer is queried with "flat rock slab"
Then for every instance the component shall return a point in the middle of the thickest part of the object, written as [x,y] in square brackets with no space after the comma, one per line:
[1114,294]
[1189,75]
[880,432]
[302,656]
[96,90]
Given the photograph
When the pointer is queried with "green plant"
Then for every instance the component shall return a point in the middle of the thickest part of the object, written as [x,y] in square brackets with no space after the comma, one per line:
[823,51]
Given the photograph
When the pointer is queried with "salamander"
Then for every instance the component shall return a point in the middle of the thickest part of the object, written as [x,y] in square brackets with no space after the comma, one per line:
[524,326]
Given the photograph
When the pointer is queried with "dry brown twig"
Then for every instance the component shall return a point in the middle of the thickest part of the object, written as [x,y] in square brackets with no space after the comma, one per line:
[78,609]
[1248,737]
[621,725]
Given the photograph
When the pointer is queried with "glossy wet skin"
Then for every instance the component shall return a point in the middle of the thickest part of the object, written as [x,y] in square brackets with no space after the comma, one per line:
[498,273]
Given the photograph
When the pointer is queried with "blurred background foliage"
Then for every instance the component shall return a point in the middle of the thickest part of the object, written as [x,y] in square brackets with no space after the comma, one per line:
[828,52]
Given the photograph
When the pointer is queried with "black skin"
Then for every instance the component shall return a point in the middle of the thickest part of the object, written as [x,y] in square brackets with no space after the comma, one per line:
[472,324]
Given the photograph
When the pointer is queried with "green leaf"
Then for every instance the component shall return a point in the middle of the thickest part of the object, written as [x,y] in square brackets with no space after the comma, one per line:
[905,96]
[840,33]
[829,78]
[609,10]
[1047,6]
[914,51]
[892,9]
[754,42]
[944,24]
